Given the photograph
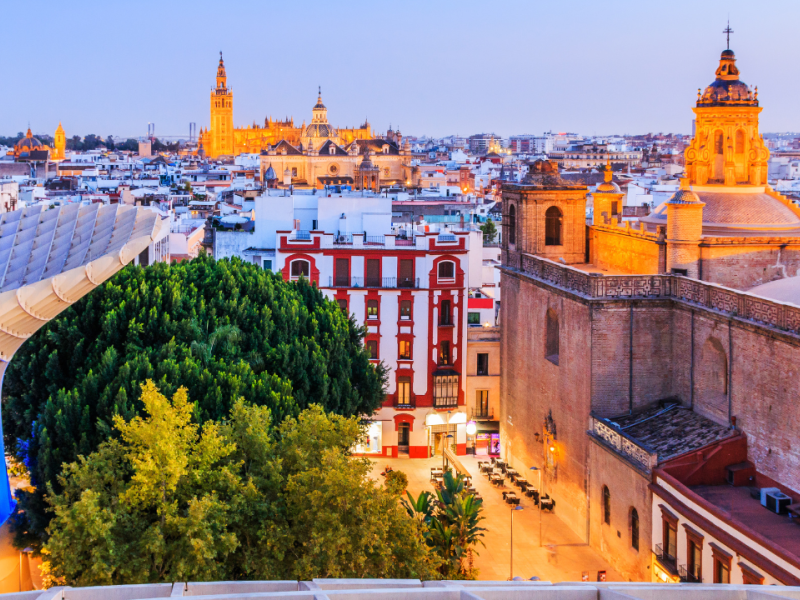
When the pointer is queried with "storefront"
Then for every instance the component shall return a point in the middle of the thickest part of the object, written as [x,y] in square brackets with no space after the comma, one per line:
[373,443]
[446,430]
[487,438]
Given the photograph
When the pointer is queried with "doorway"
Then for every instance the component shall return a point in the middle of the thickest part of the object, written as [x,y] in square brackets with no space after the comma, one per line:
[403,435]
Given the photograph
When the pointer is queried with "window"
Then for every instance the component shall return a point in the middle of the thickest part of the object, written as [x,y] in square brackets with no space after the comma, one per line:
[445,390]
[482,403]
[750,576]
[634,529]
[483,364]
[722,564]
[473,318]
[444,313]
[373,272]
[606,505]
[404,391]
[405,273]
[718,149]
[404,351]
[372,349]
[444,353]
[405,309]
[614,208]
[551,340]
[694,560]
[512,225]
[740,142]
[267,264]
[332,150]
[447,271]
[372,309]
[342,302]
[342,272]
[552,227]
[300,268]
[294,172]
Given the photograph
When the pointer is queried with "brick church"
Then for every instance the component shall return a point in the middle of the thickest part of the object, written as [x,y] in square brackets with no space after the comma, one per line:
[652,385]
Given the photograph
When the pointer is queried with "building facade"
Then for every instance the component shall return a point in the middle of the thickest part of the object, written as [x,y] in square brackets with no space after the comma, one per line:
[643,335]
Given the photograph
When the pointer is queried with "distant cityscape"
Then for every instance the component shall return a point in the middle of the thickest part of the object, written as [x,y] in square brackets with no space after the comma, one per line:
[602,332]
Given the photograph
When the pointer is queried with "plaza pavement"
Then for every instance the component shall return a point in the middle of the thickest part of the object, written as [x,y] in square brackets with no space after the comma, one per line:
[563,555]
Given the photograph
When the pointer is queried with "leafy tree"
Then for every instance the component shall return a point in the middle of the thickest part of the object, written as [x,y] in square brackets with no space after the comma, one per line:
[396,482]
[222,329]
[453,529]
[169,500]
[489,231]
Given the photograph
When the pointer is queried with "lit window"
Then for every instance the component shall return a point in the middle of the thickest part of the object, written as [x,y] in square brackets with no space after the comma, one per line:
[404,351]
[372,309]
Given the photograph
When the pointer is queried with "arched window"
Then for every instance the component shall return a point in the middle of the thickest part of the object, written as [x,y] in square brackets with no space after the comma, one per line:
[740,142]
[606,505]
[713,385]
[300,268]
[634,529]
[551,337]
[552,227]
[512,225]
[447,271]
[718,146]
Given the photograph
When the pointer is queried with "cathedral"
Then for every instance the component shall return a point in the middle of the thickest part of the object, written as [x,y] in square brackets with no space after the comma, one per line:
[641,362]
[223,139]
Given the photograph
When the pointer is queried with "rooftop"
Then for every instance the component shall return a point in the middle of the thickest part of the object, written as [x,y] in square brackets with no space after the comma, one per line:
[742,507]
[671,430]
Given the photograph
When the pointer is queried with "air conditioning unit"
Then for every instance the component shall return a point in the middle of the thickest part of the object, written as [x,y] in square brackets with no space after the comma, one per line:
[777,502]
[764,492]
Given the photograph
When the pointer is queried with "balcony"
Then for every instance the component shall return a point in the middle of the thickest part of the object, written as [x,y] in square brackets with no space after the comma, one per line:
[482,415]
[373,282]
[405,404]
[300,236]
[689,575]
[666,560]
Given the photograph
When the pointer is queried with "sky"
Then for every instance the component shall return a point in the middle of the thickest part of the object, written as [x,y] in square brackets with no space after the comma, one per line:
[594,67]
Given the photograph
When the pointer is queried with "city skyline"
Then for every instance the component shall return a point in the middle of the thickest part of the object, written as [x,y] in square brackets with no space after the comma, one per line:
[427,70]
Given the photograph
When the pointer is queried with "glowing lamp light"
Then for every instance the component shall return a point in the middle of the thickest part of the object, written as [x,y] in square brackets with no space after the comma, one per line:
[471,428]
[552,448]
[663,576]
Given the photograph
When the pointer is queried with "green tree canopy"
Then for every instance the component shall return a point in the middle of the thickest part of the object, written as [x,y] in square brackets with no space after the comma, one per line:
[222,329]
[489,231]
[170,501]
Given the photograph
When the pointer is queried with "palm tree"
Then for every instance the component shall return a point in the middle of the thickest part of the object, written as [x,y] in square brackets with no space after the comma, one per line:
[225,336]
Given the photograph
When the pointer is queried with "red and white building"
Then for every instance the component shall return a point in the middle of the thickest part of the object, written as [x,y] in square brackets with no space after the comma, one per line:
[408,287]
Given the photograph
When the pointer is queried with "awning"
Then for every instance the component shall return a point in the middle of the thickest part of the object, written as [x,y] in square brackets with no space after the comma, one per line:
[487,426]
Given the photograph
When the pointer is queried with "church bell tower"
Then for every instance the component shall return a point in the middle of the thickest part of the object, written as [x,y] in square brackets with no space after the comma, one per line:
[221,141]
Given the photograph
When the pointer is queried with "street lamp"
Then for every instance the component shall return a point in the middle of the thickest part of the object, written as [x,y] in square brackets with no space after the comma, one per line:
[541,493]
[511,570]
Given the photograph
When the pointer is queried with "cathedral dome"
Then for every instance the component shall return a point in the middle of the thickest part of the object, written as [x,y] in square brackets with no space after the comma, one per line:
[28,143]
[320,130]
[727,89]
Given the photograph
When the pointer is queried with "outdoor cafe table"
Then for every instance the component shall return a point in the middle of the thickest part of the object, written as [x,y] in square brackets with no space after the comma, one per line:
[521,482]
[510,497]
[495,478]
[438,479]
[512,473]
[546,503]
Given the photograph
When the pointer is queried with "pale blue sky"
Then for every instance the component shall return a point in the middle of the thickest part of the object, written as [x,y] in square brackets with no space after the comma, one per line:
[428,67]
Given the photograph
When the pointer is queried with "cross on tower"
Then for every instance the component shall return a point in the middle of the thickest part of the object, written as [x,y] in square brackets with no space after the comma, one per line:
[728,31]
[320,91]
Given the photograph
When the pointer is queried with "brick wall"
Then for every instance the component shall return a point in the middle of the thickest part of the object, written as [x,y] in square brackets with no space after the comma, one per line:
[531,387]
[628,489]
[743,266]
[625,252]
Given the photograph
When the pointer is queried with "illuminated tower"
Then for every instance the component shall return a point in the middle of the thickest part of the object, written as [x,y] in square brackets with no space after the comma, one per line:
[59,144]
[221,115]
[727,148]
